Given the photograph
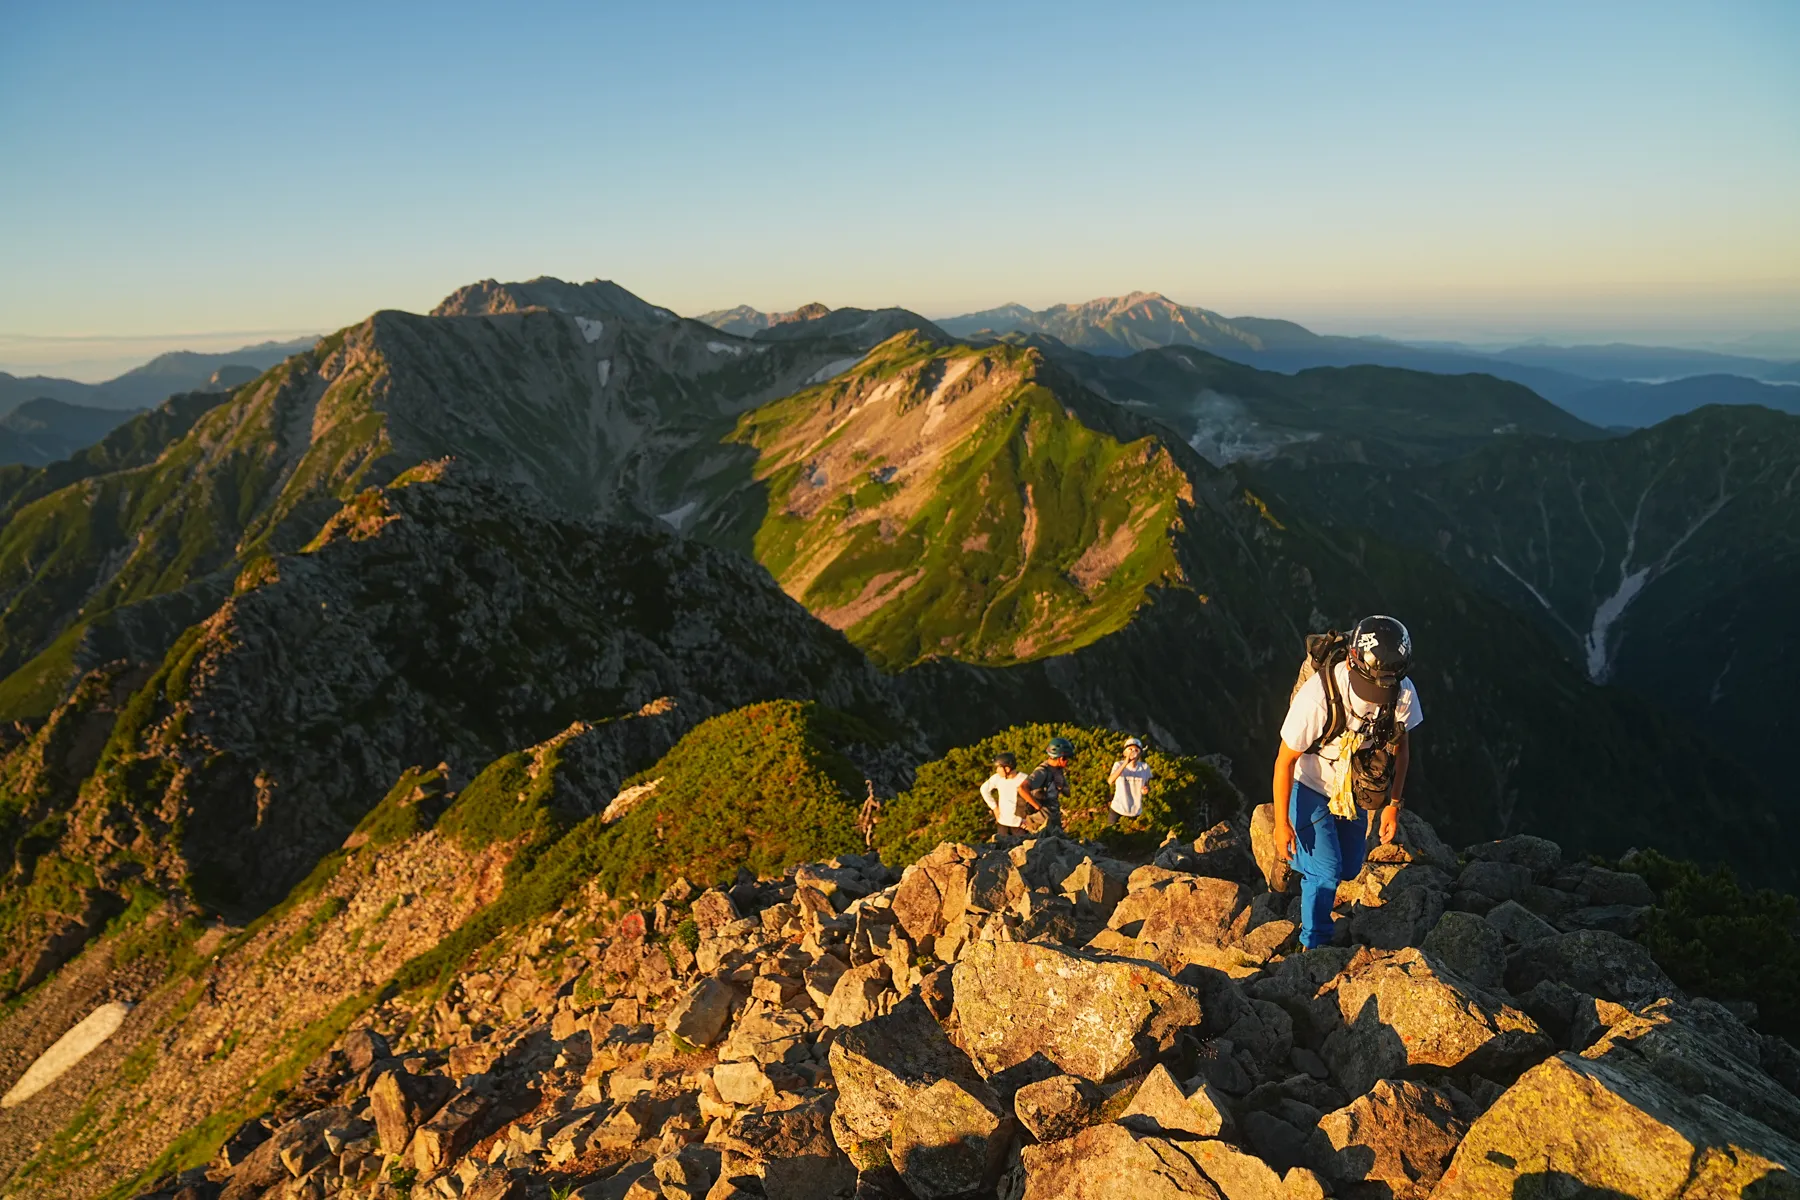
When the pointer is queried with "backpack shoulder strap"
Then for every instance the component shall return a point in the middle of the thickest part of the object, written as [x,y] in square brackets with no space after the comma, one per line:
[1335,718]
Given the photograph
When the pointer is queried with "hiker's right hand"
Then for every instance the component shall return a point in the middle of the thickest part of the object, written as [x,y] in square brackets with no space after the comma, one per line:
[1284,843]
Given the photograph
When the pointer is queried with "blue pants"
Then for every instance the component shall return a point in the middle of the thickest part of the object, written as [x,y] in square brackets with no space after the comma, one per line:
[1327,852]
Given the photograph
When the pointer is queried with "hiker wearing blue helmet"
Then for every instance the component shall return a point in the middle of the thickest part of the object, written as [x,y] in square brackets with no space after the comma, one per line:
[1046,786]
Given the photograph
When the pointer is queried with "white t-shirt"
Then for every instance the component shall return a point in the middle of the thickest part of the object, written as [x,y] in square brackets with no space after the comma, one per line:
[1128,788]
[1324,772]
[1002,796]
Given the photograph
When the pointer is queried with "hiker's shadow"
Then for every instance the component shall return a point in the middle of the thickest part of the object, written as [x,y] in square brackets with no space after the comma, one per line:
[1560,1185]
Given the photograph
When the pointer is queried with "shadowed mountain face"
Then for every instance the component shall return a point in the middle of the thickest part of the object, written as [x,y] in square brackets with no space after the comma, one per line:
[43,431]
[1639,405]
[233,621]
[1662,561]
[155,381]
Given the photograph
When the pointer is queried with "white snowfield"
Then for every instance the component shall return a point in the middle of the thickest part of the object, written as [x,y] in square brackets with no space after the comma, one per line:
[590,329]
[66,1051]
[724,348]
[676,517]
[605,366]
[832,368]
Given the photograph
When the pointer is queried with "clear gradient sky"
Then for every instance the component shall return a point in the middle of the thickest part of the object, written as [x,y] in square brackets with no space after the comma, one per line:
[174,172]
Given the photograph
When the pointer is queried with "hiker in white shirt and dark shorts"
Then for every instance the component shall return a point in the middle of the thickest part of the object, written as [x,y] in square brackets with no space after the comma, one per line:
[1128,776]
[1001,794]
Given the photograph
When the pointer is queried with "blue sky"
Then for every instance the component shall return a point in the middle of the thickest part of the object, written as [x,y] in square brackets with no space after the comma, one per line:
[190,170]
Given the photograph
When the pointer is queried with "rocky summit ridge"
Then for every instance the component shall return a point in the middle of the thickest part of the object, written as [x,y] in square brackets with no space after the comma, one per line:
[1040,1020]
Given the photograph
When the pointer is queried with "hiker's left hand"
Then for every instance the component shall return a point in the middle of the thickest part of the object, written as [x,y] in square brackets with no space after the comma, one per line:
[1390,824]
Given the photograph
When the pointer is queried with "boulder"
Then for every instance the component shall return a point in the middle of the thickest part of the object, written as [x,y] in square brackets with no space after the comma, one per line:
[860,994]
[450,1131]
[950,1139]
[1516,923]
[1540,856]
[362,1047]
[1499,880]
[1163,1108]
[1575,1126]
[790,1151]
[1241,1176]
[1090,1015]
[1593,961]
[1400,1136]
[1109,1162]
[1404,1015]
[400,1102]
[1277,873]
[700,1017]
[821,978]
[1225,852]
[1403,918]
[882,1063]
[713,909]
[918,904]
[1469,946]
[1700,1053]
[300,1141]
[1415,842]
[1058,1107]
[1194,921]
[1601,887]
[766,1035]
[742,1083]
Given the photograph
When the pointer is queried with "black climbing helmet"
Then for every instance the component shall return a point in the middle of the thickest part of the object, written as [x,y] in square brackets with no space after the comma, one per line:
[1005,759]
[1380,656]
[1060,747]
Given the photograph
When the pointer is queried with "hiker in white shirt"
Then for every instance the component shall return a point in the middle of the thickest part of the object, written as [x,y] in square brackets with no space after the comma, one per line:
[1001,794]
[1128,776]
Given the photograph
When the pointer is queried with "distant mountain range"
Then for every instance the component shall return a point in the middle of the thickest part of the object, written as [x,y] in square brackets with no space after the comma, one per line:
[1637,405]
[44,430]
[155,381]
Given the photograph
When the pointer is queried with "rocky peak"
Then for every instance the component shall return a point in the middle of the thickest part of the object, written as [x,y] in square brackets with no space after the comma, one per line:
[595,298]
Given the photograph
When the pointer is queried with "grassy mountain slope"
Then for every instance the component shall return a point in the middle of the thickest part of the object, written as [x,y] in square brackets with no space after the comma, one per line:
[941,500]
[1658,562]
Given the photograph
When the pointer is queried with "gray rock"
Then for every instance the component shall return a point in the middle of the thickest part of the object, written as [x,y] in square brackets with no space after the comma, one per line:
[1404,919]
[950,1139]
[1598,963]
[1602,887]
[1540,855]
[1622,919]
[1501,880]
[790,1151]
[1275,1141]
[1517,923]
[1469,946]
[1109,1162]
[400,1102]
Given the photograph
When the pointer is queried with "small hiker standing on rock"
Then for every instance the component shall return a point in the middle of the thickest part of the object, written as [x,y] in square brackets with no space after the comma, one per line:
[1001,793]
[1128,776]
[1047,785]
[1344,751]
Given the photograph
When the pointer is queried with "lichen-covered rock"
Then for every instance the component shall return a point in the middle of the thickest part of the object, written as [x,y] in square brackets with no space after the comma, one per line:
[1399,1137]
[450,1131]
[1108,1162]
[1575,1126]
[1603,887]
[1058,1107]
[950,1139]
[1090,1015]
[1468,946]
[1593,961]
[1519,924]
[1195,921]
[1403,918]
[1498,880]
[860,994]
[1163,1108]
[1402,1015]
[881,1063]
[790,1151]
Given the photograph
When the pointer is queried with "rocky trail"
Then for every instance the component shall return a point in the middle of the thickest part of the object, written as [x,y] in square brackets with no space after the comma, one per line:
[1034,1020]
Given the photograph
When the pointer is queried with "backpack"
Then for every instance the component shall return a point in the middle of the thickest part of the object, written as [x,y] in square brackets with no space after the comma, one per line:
[1372,762]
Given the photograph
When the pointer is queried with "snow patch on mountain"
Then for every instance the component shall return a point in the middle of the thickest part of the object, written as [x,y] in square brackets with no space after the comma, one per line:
[835,367]
[590,329]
